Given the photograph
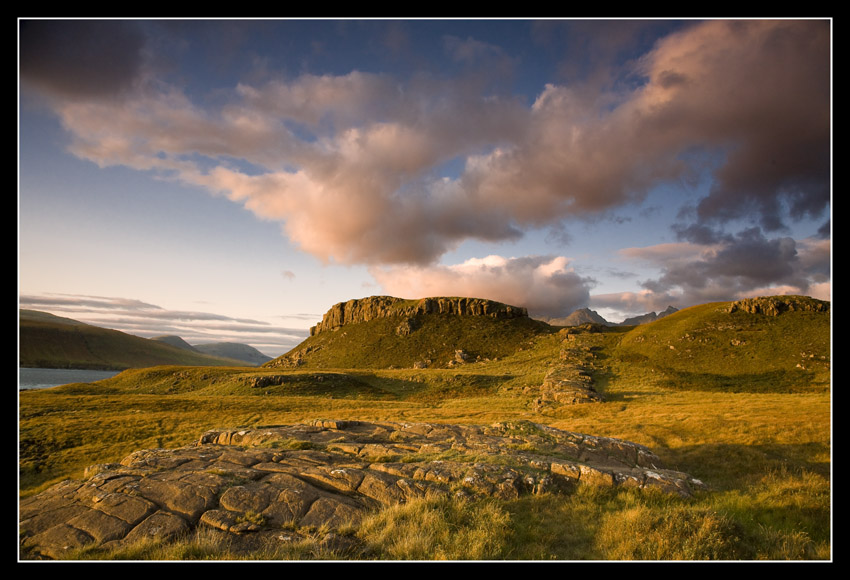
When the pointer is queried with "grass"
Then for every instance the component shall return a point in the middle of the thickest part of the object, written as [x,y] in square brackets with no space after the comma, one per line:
[764,450]
[376,345]
[437,529]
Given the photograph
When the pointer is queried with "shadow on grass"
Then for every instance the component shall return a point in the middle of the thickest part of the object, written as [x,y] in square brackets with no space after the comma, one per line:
[727,466]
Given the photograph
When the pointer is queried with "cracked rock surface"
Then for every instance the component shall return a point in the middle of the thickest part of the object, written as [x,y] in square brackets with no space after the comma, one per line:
[267,483]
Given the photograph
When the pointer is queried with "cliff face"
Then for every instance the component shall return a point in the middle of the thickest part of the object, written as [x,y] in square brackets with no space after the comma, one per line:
[365,309]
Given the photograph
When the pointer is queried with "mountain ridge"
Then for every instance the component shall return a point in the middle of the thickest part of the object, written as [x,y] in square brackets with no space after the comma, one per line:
[231,350]
[588,316]
[50,341]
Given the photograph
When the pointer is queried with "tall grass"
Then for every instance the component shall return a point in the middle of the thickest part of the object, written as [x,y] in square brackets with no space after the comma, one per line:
[438,529]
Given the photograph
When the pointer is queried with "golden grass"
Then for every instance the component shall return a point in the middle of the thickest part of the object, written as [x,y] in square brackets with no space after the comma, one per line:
[765,455]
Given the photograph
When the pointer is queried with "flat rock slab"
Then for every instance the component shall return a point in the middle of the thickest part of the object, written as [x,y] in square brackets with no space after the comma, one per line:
[325,474]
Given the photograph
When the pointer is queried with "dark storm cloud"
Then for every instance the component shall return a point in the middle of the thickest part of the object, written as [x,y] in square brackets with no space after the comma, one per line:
[737,265]
[80,58]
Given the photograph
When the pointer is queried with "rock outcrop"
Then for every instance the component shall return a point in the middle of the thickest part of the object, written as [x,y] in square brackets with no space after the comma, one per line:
[263,486]
[570,381]
[776,305]
[366,309]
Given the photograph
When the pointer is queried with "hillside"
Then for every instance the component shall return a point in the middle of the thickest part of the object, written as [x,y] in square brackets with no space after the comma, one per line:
[713,347]
[385,332]
[774,344]
[233,350]
[49,341]
[717,346]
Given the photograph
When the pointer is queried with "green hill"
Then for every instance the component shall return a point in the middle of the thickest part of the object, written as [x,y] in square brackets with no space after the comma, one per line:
[779,343]
[49,341]
[384,332]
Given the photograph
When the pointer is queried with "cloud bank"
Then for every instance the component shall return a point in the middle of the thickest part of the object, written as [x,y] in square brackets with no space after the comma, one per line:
[148,321]
[393,173]
[547,286]
[741,266]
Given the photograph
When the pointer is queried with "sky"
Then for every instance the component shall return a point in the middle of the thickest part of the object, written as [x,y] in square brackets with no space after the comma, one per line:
[231,180]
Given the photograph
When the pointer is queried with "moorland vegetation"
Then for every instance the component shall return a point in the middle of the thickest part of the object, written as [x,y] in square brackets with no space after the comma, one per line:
[734,395]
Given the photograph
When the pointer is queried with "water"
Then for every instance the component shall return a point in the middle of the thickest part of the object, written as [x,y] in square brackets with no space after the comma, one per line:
[45,378]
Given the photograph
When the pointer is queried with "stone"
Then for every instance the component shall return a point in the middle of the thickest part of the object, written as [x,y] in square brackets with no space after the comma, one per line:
[235,483]
[569,381]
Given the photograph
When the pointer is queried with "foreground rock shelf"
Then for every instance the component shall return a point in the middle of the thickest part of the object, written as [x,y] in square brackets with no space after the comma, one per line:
[261,486]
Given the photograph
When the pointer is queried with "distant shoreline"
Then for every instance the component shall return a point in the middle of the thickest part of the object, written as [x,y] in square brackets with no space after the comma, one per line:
[44,378]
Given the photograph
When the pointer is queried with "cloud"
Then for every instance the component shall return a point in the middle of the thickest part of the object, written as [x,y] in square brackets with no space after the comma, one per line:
[148,320]
[354,166]
[80,58]
[738,266]
[761,91]
[545,285]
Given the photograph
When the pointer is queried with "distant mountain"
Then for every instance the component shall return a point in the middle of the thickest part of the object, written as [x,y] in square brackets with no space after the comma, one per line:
[586,315]
[231,350]
[235,350]
[579,317]
[648,317]
[175,340]
[50,341]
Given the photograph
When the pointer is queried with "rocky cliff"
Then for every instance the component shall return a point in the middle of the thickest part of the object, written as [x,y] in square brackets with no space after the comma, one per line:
[365,309]
[776,305]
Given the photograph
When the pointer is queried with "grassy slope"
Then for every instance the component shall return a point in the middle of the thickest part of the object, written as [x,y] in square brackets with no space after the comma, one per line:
[376,345]
[52,342]
[707,348]
[765,450]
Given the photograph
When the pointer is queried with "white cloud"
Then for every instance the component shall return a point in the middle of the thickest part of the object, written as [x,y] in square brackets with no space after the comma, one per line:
[545,285]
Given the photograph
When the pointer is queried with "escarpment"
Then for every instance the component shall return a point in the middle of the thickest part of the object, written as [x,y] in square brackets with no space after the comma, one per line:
[776,305]
[366,309]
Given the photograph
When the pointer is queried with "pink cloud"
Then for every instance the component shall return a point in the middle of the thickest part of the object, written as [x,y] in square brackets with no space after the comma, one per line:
[351,164]
[545,285]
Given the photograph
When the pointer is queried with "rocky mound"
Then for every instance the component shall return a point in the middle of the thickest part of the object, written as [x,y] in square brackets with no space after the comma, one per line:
[268,485]
[776,305]
[366,309]
[570,380]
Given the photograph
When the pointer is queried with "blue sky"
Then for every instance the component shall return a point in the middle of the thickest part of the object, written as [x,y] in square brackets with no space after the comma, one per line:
[231,180]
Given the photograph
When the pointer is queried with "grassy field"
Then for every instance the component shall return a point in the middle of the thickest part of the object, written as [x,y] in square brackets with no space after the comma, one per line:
[765,450]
